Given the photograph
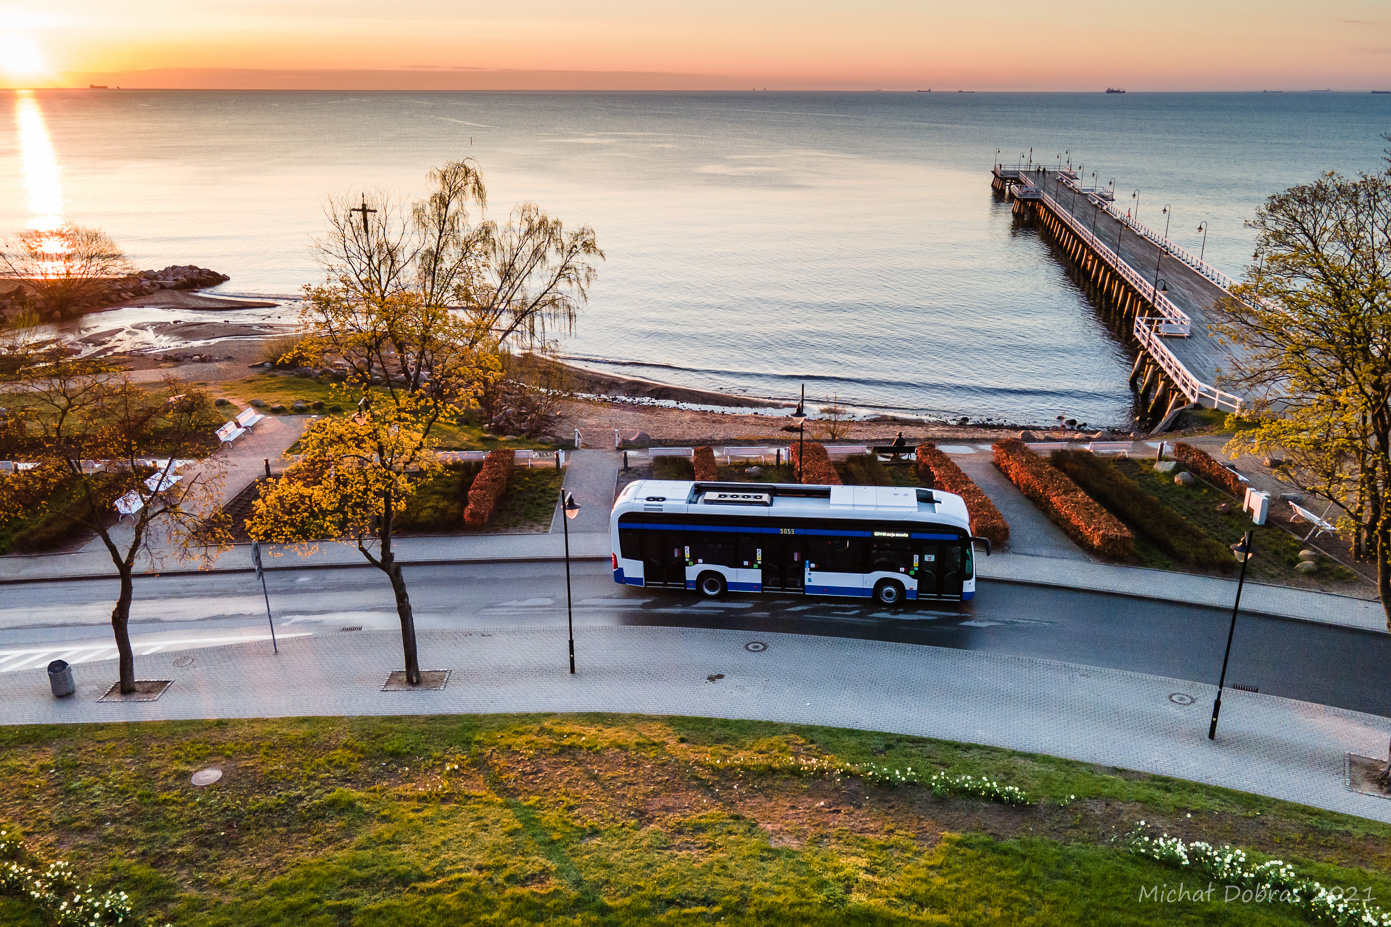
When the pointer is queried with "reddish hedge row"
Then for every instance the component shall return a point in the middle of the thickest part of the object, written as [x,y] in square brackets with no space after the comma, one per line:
[817,468]
[704,463]
[488,487]
[1209,469]
[941,472]
[1079,515]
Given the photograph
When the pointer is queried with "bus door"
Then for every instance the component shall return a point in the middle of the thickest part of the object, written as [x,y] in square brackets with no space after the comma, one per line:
[663,562]
[940,570]
[784,562]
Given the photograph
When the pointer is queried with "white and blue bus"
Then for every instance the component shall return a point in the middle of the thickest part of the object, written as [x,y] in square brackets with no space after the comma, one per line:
[882,542]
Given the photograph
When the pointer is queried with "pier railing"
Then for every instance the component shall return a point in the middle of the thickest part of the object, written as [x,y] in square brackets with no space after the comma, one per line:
[1202,268]
[1175,320]
[1148,331]
[1196,390]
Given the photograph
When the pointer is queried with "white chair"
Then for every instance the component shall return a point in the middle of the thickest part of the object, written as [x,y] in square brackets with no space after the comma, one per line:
[129,504]
[1321,526]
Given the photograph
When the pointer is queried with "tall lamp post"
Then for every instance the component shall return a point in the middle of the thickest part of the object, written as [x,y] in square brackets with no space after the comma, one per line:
[1135,214]
[1244,552]
[571,508]
[1202,227]
[1160,247]
[799,418]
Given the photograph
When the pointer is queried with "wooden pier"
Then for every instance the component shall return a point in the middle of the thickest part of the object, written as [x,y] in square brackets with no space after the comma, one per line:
[1178,362]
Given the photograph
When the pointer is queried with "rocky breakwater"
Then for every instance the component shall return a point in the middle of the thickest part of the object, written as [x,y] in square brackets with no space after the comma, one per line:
[173,277]
[65,297]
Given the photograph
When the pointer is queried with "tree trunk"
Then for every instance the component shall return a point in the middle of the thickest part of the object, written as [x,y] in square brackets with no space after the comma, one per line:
[120,625]
[407,616]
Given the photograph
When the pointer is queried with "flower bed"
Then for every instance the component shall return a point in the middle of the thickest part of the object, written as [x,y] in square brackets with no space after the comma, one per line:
[941,472]
[1160,525]
[703,463]
[1271,881]
[55,891]
[817,468]
[488,487]
[1202,463]
[1079,515]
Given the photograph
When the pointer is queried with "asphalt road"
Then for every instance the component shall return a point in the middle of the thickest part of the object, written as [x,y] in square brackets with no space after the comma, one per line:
[1317,663]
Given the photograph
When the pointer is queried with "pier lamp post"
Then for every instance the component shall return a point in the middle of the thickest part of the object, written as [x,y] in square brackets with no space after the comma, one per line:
[1160,256]
[1135,213]
[799,418]
[571,508]
[1202,227]
[1244,552]
[1112,187]
[997,157]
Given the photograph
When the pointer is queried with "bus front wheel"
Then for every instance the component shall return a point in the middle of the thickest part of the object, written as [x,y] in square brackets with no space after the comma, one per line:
[711,585]
[888,592]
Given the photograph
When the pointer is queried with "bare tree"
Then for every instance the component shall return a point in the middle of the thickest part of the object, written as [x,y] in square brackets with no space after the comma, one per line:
[66,269]
[101,431]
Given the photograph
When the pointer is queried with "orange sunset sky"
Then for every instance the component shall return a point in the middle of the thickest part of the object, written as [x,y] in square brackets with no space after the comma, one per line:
[716,44]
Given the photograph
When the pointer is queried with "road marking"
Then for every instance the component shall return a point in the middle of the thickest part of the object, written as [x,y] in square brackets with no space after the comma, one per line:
[85,653]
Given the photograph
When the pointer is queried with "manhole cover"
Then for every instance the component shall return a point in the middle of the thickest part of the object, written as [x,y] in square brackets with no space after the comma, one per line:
[183,661]
[755,646]
[206,776]
[1182,698]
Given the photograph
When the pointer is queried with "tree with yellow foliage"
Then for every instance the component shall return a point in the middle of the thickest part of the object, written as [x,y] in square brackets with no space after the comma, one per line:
[418,303]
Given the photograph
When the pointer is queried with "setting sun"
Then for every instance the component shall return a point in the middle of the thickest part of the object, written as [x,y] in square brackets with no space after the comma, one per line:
[20,55]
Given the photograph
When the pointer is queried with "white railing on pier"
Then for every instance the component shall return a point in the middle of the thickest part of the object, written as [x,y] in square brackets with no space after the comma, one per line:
[1176,321]
[1202,268]
[1196,390]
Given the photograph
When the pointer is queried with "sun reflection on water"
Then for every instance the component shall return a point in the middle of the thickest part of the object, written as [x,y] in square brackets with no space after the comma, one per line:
[40,167]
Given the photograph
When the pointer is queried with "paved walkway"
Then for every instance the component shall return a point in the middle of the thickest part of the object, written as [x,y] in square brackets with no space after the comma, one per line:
[592,476]
[1030,531]
[1270,746]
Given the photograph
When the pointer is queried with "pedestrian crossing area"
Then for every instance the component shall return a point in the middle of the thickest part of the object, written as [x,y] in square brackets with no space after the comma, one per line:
[92,651]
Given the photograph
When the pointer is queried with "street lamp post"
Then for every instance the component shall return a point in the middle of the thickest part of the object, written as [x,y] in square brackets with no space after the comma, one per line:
[799,418]
[1135,213]
[1244,552]
[571,508]
[1202,227]
[1160,247]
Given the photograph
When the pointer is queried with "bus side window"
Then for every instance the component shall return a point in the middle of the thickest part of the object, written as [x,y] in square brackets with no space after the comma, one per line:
[749,550]
[713,547]
[969,570]
[837,555]
[891,555]
[630,543]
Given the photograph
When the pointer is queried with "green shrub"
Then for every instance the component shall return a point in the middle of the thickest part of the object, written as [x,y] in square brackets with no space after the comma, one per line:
[438,502]
[1143,513]
[865,470]
[672,468]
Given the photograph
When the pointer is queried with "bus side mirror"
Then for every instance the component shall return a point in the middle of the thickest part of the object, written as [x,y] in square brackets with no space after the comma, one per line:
[985,541]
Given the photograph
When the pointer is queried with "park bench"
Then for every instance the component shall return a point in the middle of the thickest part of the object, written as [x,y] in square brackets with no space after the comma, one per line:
[1321,526]
[230,432]
[895,452]
[846,450]
[731,454]
[671,452]
[129,504]
[1110,447]
[248,417]
[1046,447]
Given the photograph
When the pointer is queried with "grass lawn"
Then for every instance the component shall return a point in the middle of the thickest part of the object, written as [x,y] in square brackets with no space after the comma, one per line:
[606,819]
[530,501]
[1277,551]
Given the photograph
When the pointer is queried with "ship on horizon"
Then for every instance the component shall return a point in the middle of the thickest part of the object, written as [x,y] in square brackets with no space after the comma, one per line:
[1115,90]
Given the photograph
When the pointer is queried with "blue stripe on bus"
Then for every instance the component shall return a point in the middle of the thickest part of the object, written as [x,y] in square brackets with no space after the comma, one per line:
[839,590]
[745,587]
[937,537]
[618,575]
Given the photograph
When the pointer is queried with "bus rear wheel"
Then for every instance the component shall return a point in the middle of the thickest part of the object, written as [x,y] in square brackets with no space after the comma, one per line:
[711,585]
[888,592]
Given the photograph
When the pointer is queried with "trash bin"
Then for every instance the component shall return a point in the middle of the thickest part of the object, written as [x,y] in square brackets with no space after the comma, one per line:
[60,679]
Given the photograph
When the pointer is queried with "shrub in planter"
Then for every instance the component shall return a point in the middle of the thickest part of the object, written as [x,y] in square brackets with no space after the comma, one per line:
[1159,524]
[488,487]
[1080,516]
[1204,465]
[939,471]
[816,468]
[865,470]
[703,464]
[672,468]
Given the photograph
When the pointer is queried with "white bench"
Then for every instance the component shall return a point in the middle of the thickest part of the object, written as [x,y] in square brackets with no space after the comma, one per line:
[248,417]
[230,432]
[1047,447]
[846,450]
[731,454]
[129,504]
[1320,525]
[671,452]
[1110,447]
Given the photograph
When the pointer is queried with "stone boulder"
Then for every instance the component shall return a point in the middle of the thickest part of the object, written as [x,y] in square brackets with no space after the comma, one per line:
[299,407]
[257,403]
[1183,478]
[1306,566]
[1307,554]
[1027,436]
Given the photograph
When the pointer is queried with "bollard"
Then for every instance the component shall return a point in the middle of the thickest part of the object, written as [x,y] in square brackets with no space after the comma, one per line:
[616,442]
[60,679]
[1159,455]
[557,461]
[267,460]
[779,457]
[625,461]
[577,439]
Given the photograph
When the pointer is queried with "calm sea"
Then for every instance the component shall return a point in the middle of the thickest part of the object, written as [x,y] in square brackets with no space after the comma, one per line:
[755,241]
